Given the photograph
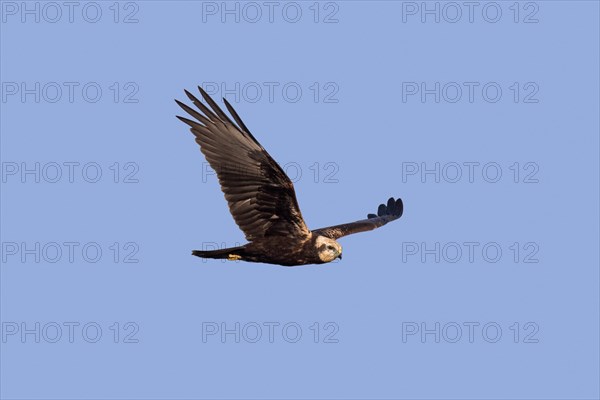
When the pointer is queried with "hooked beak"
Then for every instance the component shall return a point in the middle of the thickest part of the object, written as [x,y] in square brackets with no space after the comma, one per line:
[339,256]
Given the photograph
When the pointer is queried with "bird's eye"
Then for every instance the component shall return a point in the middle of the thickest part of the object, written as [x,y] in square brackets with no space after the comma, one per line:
[329,247]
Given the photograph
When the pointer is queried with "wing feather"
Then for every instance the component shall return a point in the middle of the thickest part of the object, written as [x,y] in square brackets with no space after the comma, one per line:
[385,213]
[260,195]
[236,117]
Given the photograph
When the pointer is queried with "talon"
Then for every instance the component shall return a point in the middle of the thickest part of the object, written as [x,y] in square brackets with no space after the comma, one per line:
[233,257]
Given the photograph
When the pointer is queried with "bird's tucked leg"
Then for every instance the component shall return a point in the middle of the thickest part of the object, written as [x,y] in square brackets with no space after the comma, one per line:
[232,253]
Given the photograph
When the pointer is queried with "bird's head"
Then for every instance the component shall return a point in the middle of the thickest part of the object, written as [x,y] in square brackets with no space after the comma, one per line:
[328,249]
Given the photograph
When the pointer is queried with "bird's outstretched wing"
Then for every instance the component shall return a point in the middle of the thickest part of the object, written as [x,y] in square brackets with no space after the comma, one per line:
[260,195]
[386,213]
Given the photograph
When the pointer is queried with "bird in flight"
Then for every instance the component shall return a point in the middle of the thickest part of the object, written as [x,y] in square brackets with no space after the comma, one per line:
[261,196]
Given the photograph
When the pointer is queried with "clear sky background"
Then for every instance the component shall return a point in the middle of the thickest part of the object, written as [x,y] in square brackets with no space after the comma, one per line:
[483,118]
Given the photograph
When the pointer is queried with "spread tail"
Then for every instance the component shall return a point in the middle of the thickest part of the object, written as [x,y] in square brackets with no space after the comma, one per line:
[232,253]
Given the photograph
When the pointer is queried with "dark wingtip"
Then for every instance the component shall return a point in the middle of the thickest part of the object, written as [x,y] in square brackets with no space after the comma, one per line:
[207,97]
[190,95]
[202,91]
[390,204]
[399,206]
[179,103]
[190,123]
[393,207]
[187,121]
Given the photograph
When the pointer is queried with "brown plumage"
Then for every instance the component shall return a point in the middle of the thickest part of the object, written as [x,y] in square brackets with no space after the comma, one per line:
[261,197]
